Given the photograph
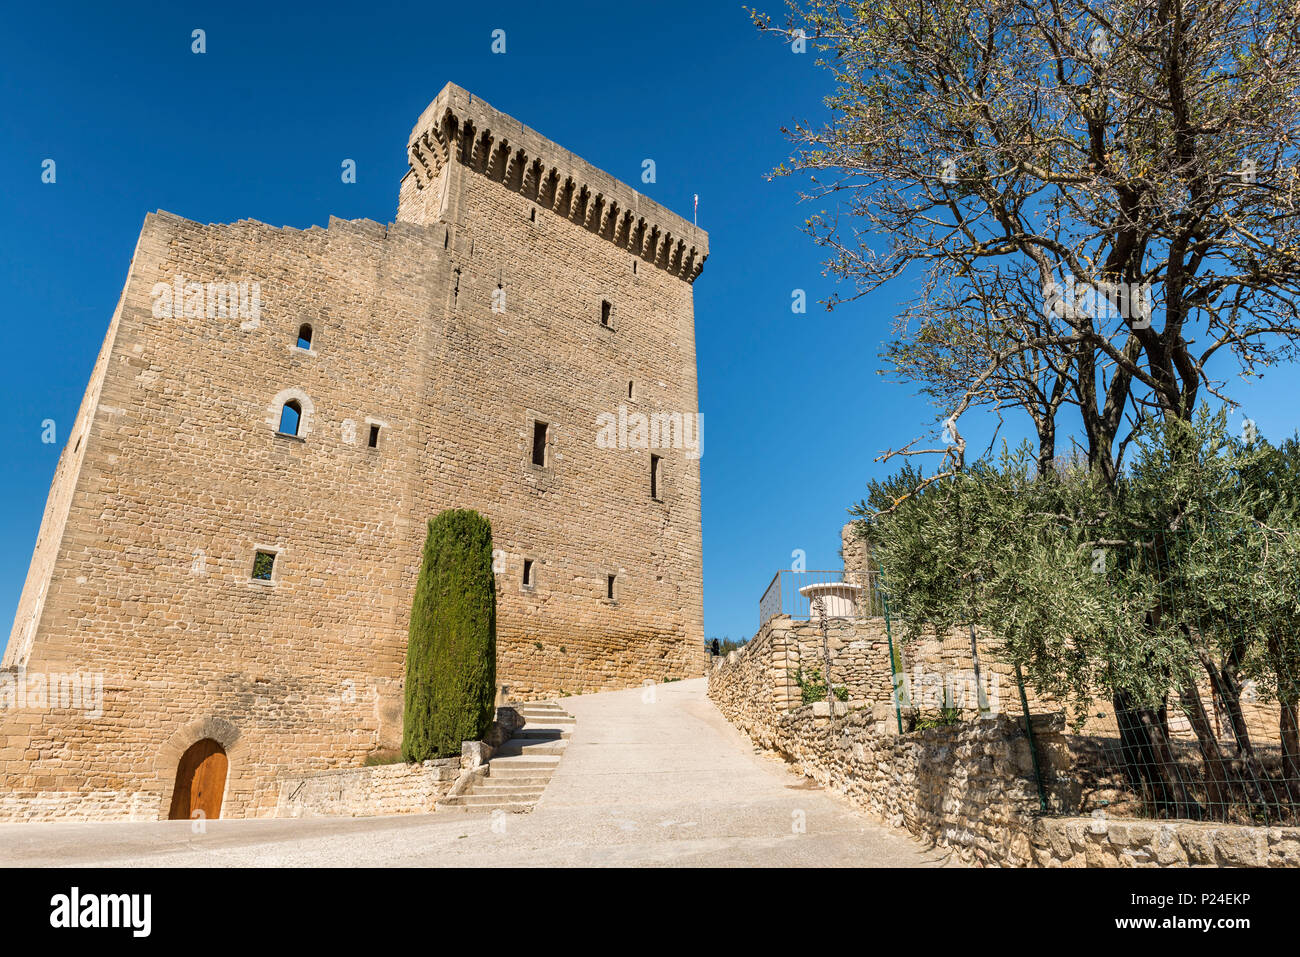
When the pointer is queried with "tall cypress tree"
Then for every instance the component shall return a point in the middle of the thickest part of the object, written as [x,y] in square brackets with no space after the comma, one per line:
[451,648]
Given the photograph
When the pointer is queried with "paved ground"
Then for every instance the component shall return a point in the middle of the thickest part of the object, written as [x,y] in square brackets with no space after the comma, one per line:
[662,783]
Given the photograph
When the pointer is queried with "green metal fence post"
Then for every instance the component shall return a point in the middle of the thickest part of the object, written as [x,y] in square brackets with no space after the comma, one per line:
[1033,745]
[893,674]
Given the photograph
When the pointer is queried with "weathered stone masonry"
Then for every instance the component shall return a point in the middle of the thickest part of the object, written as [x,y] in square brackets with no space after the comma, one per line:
[968,788]
[454,329]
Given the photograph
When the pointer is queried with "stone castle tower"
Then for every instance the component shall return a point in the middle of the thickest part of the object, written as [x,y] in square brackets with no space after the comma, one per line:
[235,527]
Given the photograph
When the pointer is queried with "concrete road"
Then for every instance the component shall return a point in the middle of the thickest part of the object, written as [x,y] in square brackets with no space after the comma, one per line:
[666,782]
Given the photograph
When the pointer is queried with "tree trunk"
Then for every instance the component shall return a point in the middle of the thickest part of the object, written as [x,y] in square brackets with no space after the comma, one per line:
[1224,682]
[1218,787]
[1046,446]
[1228,690]
[1149,762]
[1288,726]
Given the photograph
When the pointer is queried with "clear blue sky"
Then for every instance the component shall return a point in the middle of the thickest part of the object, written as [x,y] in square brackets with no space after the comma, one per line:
[257,128]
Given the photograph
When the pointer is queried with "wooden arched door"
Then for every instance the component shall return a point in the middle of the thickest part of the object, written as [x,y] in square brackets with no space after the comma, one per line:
[200,781]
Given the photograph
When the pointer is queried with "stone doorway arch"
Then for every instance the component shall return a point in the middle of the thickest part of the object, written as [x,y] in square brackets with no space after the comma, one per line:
[200,782]
[174,752]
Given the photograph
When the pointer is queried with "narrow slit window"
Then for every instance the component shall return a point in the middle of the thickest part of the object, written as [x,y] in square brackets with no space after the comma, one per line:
[304,336]
[606,311]
[263,565]
[528,573]
[374,437]
[290,417]
[629,389]
[539,444]
[609,587]
[532,215]
[656,466]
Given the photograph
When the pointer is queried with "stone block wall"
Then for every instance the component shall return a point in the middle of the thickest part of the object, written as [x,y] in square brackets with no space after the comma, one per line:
[783,646]
[366,792]
[1102,842]
[453,330]
[29,805]
[860,662]
[855,552]
[539,240]
[968,787]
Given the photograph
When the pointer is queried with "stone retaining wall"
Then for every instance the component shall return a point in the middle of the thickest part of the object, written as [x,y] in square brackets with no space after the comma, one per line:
[365,792]
[32,805]
[859,661]
[969,787]
[1099,842]
[935,669]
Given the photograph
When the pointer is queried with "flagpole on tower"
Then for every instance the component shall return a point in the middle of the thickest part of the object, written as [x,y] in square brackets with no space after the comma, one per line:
[697,209]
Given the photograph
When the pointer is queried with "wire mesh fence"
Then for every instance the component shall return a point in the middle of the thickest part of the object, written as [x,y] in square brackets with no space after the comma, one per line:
[1176,656]
[940,679]
[847,593]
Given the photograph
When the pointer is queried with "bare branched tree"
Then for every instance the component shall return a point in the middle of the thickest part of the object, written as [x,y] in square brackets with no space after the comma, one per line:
[1094,200]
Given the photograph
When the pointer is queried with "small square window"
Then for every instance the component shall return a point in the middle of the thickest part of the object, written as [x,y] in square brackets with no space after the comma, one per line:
[528,573]
[263,565]
[374,437]
[539,444]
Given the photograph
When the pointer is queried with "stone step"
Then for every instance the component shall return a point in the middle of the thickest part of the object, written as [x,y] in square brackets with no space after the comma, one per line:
[538,743]
[531,782]
[533,762]
[519,797]
[512,807]
[523,773]
[544,734]
[536,780]
[500,792]
[517,747]
[520,769]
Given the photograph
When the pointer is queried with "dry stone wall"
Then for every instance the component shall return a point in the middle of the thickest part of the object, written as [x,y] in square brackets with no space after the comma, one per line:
[1100,842]
[365,792]
[783,647]
[969,787]
[934,669]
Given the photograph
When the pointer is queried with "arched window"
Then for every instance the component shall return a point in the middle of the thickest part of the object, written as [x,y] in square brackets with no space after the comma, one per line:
[290,413]
[290,416]
[304,336]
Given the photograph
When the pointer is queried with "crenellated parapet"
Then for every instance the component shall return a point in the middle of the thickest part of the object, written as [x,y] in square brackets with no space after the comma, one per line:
[459,128]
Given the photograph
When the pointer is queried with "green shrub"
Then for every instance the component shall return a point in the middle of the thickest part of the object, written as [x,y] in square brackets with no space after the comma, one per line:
[812,688]
[946,718]
[451,651]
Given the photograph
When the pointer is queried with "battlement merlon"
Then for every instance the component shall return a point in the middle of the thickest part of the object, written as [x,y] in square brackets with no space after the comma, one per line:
[459,126]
